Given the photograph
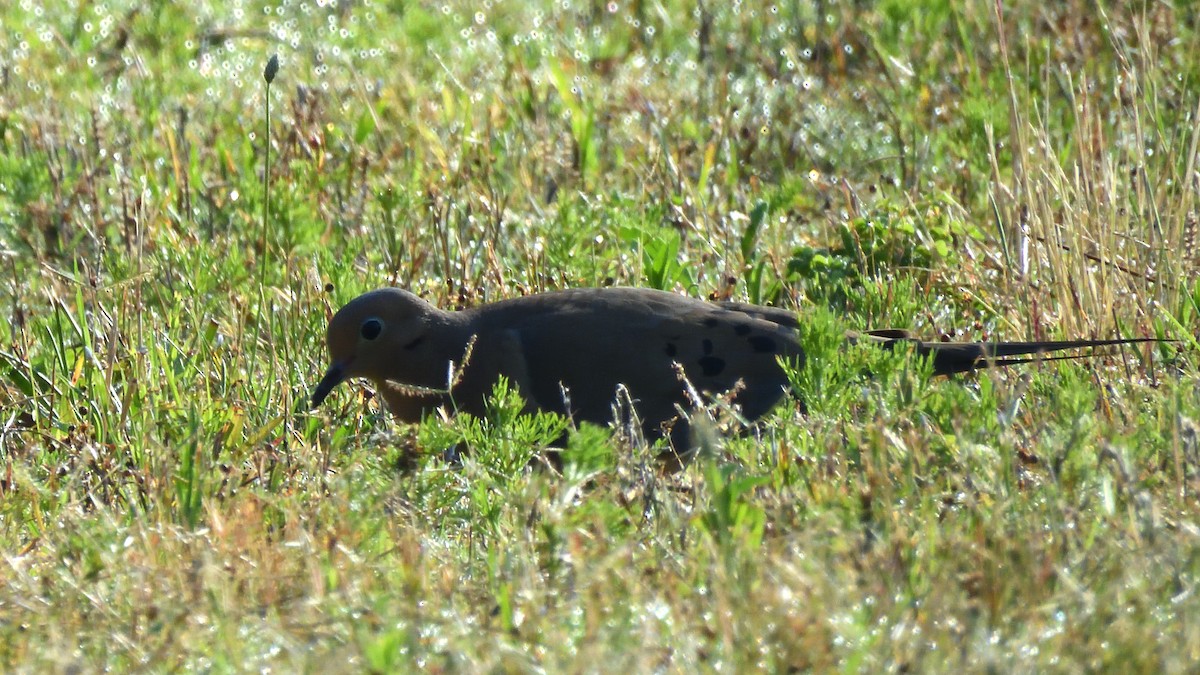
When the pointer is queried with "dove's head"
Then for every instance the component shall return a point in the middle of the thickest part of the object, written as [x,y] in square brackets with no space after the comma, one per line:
[377,336]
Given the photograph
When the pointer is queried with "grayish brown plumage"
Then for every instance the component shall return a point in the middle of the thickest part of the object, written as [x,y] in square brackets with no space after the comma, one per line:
[585,342]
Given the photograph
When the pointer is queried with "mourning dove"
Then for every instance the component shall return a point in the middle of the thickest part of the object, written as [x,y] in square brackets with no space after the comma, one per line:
[569,351]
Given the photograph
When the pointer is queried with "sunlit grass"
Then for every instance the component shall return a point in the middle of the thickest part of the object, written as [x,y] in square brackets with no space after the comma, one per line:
[167,499]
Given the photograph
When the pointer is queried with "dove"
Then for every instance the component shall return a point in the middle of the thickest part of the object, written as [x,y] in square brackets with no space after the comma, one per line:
[569,351]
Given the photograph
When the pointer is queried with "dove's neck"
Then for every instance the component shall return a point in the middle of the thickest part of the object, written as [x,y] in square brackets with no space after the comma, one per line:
[422,381]
[451,334]
[447,351]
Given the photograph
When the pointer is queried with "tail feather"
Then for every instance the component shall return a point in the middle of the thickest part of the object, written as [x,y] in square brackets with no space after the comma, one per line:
[951,357]
[959,357]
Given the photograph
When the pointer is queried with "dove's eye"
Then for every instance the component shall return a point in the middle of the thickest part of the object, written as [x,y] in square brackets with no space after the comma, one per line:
[371,328]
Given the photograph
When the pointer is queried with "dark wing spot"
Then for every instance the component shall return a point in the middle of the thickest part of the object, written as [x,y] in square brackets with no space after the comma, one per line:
[711,366]
[762,344]
[708,347]
[711,322]
[742,329]
[671,349]
[415,343]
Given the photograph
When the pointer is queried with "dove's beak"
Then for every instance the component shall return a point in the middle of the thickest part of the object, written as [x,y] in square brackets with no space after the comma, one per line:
[333,377]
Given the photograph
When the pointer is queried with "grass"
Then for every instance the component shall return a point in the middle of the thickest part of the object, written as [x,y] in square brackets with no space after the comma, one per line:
[168,502]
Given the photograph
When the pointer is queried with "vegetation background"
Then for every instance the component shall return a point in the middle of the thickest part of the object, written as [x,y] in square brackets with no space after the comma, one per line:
[976,169]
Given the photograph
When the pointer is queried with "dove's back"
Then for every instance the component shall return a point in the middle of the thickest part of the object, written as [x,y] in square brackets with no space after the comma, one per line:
[590,341]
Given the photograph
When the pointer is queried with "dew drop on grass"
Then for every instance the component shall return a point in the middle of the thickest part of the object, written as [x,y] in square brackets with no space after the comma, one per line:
[234,195]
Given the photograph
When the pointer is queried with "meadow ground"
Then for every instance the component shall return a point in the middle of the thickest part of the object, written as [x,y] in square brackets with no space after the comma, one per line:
[168,501]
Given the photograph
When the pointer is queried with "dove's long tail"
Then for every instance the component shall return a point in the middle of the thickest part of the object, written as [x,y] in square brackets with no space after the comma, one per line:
[959,357]
[953,357]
